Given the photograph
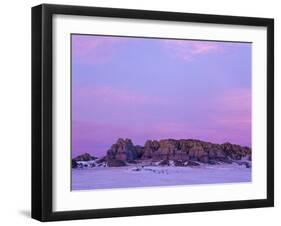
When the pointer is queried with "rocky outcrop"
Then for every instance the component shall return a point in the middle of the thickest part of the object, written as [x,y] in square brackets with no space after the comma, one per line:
[74,164]
[123,150]
[150,147]
[85,157]
[183,152]
[178,150]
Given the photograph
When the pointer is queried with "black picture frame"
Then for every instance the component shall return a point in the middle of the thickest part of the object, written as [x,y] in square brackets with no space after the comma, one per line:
[42,106]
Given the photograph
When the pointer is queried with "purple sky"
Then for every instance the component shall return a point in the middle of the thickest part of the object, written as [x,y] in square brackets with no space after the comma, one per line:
[141,88]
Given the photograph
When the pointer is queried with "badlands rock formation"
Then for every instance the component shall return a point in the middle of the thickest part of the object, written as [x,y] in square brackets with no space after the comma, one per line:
[183,152]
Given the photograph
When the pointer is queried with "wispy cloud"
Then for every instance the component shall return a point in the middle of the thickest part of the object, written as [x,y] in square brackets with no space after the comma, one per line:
[189,49]
[88,49]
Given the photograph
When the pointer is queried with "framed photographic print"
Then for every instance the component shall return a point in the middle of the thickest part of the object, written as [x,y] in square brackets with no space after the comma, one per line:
[140,112]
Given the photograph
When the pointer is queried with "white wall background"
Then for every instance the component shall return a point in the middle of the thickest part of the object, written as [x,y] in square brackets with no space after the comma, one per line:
[15,118]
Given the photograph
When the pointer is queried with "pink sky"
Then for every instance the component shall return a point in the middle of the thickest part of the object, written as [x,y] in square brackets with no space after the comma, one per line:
[155,89]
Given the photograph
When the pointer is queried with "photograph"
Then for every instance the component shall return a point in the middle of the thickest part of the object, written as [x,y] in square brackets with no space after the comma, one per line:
[141,112]
[153,111]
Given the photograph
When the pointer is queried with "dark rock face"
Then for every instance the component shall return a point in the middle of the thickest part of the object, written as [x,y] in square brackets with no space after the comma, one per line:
[246,164]
[178,163]
[191,163]
[150,147]
[164,162]
[115,163]
[101,160]
[84,157]
[123,150]
[74,164]
[139,150]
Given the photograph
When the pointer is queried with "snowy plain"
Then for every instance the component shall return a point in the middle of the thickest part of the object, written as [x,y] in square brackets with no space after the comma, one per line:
[148,176]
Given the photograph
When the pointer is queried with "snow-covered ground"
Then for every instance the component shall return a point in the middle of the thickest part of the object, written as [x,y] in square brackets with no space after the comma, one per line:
[148,176]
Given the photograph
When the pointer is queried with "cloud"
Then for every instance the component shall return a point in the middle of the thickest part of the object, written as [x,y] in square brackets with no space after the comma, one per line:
[189,49]
[88,49]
